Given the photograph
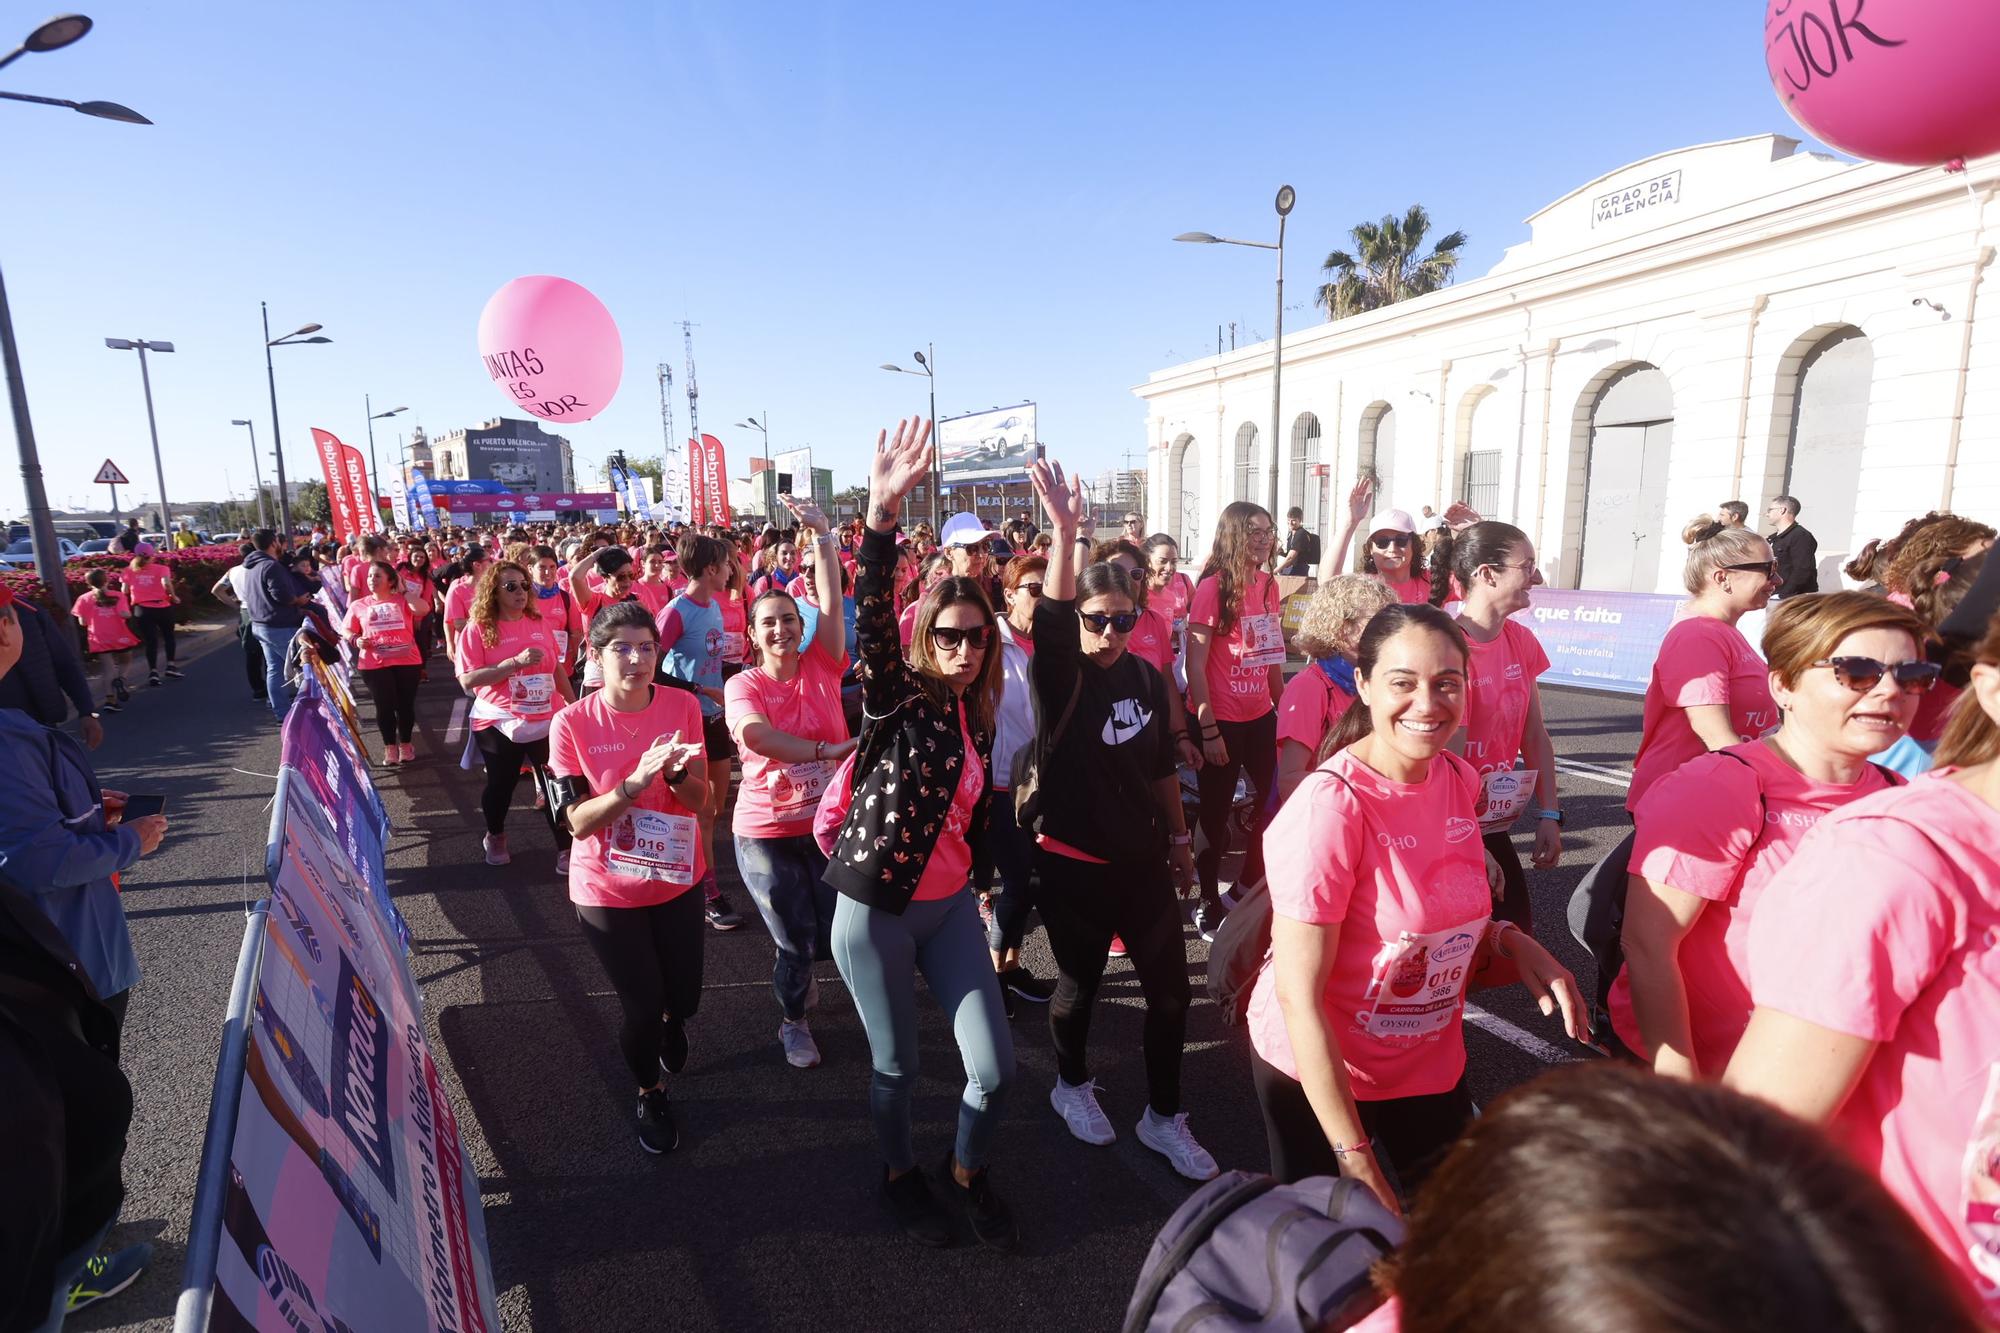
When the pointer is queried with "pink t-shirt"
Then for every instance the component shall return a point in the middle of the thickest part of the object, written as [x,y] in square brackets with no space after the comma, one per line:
[152,586]
[1498,694]
[1153,639]
[1702,661]
[527,694]
[906,623]
[652,853]
[458,599]
[354,575]
[1886,926]
[561,614]
[951,859]
[1239,666]
[655,595]
[777,799]
[1173,598]
[1401,869]
[1409,591]
[383,630]
[735,628]
[1699,830]
[107,629]
[1309,707]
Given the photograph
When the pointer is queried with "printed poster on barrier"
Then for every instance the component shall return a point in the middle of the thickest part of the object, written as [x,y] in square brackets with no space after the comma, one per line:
[1600,640]
[318,751]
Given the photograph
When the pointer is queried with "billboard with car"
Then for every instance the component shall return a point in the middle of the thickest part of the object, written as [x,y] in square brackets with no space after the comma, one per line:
[987,446]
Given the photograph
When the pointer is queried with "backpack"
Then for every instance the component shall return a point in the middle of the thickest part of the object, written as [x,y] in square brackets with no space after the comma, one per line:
[1597,909]
[1242,943]
[1245,1252]
[1026,779]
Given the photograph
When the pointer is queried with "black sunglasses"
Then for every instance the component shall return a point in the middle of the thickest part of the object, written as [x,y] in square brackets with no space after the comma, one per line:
[1032,589]
[1098,620]
[1384,543]
[1862,674]
[949,637]
[511,586]
[1767,568]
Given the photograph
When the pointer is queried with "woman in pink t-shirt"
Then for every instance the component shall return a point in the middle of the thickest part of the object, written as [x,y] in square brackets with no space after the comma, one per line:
[627,786]
[1236,671]
[1492,568]
[1393,557]
[381,626]
[785,716]
[1315,698]
[507,661]
[1381,923]
[150,585]
[106,618]
[1171,593]
[1875,966]
[1709,687]
[1711,834]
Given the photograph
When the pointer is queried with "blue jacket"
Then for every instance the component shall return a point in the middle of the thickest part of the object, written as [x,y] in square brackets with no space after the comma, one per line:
[49,669]
[55,847]
[269,589]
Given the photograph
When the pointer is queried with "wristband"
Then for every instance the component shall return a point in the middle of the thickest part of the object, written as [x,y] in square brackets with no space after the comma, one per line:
[677,777]
[629,796]
[1180,839]
[1556,815]
[819,750]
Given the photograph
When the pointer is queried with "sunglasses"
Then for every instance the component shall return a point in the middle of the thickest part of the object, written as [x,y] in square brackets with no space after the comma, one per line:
[1032,589]
[513,585]
[1862,674]
[1384,543]
[1098,621]
[949,637]
[1767,568]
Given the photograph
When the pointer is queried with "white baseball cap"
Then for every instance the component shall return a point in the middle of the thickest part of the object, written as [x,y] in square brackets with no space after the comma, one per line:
[1392,520]
[964,530]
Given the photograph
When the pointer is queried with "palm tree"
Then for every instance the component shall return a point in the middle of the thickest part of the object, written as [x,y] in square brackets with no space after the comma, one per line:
[1387,264]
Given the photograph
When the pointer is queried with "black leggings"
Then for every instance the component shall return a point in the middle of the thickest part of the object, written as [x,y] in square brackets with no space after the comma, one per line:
[156,623]
[653,957]
[1083,906]
[1516,906]
[1410,1134]
[1253,749]
[394,690]
[503,773]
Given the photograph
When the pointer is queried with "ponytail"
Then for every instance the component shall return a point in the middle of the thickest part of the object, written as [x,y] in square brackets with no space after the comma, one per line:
[1461,555]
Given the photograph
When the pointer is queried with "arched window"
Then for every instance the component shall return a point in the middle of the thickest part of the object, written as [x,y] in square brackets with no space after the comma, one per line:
[1246,462]
[1308,489]
[1822,460]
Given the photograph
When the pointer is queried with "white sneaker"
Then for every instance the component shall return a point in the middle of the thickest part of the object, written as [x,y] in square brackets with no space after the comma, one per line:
[562,863]
[1173,1141]
[1079,1109]
[801,1051]
[495,847]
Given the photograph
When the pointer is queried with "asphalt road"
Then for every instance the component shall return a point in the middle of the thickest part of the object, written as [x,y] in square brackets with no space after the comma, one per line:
[765,1218]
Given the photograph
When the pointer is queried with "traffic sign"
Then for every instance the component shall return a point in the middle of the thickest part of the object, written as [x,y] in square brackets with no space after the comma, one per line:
[109,475]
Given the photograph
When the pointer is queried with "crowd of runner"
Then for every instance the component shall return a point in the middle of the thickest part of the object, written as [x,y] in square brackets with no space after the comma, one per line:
[923,739]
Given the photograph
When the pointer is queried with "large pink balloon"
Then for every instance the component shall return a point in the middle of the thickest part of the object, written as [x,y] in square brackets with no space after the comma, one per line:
[552,348]
[1910,81]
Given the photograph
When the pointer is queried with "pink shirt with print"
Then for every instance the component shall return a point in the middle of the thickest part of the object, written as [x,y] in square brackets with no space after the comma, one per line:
[1886,926]
[1309,707]
[951,859]
[1498,694]
[151,587]
[1153,640]
[384,632]
[651,853]
[1701,661]
[1700,830]
[1239,664]
[777,799]
[1400,868]
[107,629]
[525,695]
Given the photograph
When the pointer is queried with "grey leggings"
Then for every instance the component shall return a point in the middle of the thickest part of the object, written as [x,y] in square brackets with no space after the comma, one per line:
[879,954]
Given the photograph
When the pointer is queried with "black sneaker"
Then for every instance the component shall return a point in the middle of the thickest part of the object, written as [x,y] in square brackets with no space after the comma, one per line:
[909,1200]
[673,1045]
[1006,1001]
[1207,918]
[111,705]
[153,678]
[657,1131]
[173,672]
[991,1220]
[124,694]
[721,915]
[1020,981]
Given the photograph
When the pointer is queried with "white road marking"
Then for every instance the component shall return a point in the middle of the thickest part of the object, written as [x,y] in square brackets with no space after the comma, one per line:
[1519,1037]
[1576,768]
[454,734]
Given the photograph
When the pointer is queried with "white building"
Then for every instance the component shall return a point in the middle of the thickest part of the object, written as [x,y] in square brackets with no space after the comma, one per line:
[1736,320]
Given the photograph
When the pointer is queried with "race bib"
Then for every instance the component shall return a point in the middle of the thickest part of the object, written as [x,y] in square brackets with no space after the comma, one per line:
[1263,640]
[385,618]
[413,587]
[796,788]
[646,844]
[1419,982]
[531,693]
[732,646]
[1506,793]
[1982,1182]
[562,644]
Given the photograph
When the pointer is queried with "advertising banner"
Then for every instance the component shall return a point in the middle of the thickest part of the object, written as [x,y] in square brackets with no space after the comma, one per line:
[715,479]
[794,469]
[361,488]
[517,454]
[614,476]
[1600,640]
[562,502]
[423,503]
[399,499]
[983,446]
[339,499]
[697,482]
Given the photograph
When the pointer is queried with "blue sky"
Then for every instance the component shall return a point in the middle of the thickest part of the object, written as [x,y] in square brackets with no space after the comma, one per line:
[819,188]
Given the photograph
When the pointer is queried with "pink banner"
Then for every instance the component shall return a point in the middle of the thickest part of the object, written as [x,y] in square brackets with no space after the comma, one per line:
[521,504]
[359,490]
[697,481]
[715,480]
[340,498]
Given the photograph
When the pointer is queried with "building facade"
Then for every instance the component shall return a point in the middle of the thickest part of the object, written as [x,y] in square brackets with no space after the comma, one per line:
[518,454]
[1736,320]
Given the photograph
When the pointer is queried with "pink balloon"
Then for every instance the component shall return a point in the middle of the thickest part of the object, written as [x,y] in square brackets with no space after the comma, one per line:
[1909,81]
[552,348]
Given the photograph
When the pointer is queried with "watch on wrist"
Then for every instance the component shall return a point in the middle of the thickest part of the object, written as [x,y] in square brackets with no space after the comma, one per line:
[1556,815]
[676,777]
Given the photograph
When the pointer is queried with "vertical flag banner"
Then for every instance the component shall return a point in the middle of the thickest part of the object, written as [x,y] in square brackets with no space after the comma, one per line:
[697,482]
[339,498]
[399,499]
[615,476]
[361,487]
[426,504]
[715,479]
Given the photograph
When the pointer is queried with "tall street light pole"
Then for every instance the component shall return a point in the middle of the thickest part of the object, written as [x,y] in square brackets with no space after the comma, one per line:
[295,338]
[763,427]
[374,476]
[52,35]
[257,471]
[141,346]
[928,371]
[1286,198]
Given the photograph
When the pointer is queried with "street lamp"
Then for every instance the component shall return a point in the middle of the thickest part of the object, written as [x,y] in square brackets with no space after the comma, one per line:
[52,35]
[770,483]
[1286,198]
[937,468]
[297,337]
[375,477]
[257,471]
[141,346]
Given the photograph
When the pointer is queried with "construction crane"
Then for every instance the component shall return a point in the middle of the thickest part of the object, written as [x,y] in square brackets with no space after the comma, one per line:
[673,460]
[694,415]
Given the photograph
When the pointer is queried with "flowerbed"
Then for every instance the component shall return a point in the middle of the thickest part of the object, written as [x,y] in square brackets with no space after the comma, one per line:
[195,571]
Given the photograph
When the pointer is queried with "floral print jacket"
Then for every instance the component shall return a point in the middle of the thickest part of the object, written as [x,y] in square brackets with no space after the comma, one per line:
[907,767]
